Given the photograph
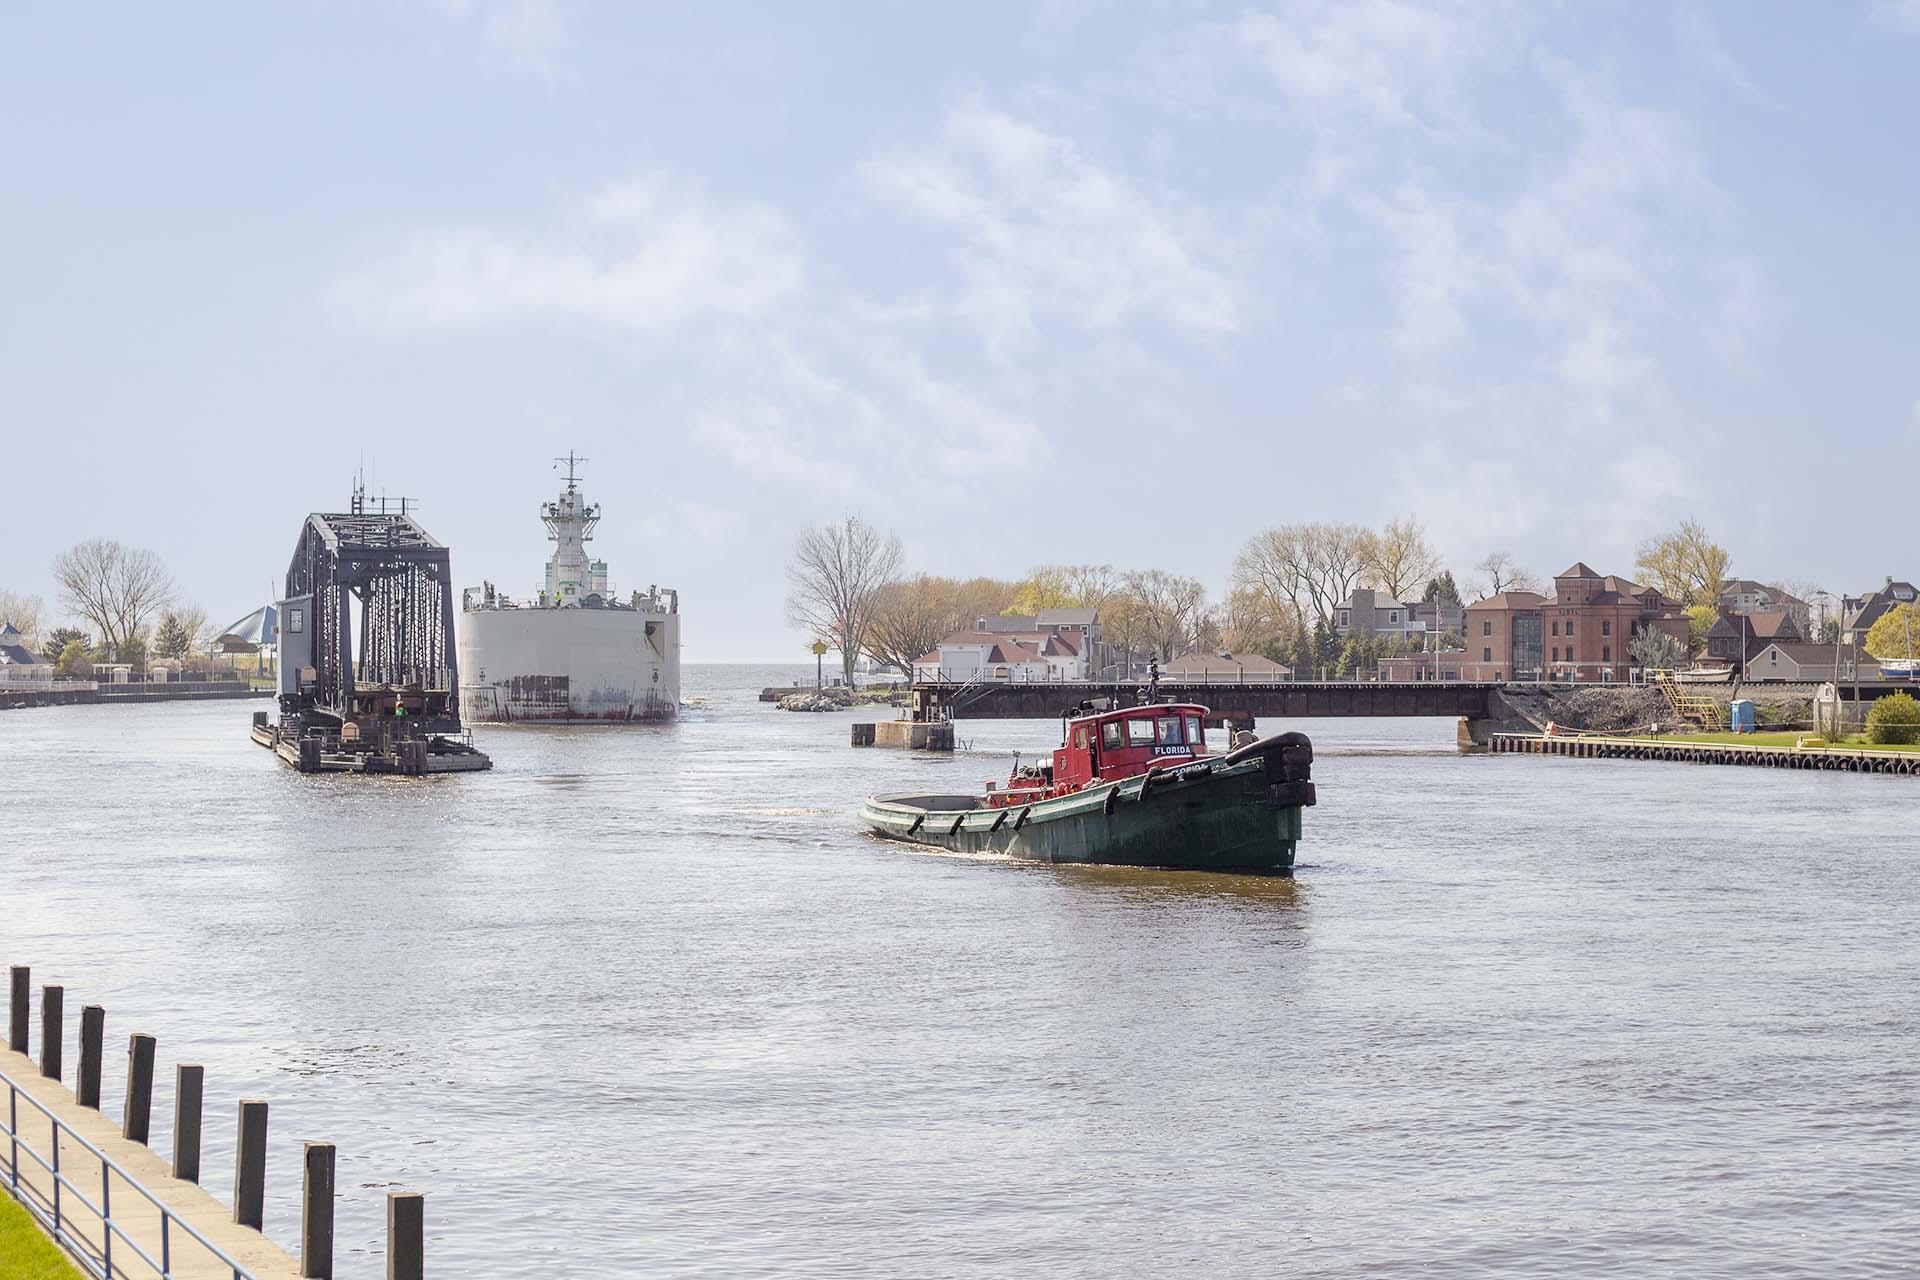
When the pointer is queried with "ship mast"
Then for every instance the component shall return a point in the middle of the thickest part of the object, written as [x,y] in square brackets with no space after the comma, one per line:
[570,523]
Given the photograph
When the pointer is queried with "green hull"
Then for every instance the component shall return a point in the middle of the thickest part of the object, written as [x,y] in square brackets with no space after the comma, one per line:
[1214,816]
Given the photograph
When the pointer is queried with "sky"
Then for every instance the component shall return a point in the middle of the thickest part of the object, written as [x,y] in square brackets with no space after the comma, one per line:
[1059,281]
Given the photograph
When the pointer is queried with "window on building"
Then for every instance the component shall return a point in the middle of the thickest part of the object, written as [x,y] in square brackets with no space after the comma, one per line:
[296,620]
[1486,654]
[1569,626]
[1556,653]
[1486,628]
[1606,626]
[1346,619]
[1556,627]
[1393,615]
[1139,733]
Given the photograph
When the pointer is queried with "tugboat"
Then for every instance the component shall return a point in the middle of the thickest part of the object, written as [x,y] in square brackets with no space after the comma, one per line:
[1134,786]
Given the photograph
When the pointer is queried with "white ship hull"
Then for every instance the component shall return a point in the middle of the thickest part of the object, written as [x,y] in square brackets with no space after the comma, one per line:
[569,665]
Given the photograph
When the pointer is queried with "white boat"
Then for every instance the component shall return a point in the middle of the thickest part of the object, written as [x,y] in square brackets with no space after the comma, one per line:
[1705,673]
[1900,668]
[576,653]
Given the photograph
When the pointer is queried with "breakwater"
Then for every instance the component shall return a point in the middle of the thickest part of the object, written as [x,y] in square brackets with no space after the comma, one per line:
[115,1204]
[86,693]
[1833,759]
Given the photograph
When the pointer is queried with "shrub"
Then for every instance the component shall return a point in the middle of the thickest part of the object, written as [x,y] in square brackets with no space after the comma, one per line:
[1894,719]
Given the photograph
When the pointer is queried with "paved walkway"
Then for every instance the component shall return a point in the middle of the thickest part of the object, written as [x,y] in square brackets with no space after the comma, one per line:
[133,1213]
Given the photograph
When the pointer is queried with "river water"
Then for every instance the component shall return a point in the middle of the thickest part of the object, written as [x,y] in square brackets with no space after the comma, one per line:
[648,1003]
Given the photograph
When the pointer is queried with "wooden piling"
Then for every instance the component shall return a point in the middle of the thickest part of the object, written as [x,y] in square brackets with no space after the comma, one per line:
[406,1235]
[189,1085]
[93,1030]
[316,1213]
[51,1000]
[137,1121]
[17,1022]
[250,1164]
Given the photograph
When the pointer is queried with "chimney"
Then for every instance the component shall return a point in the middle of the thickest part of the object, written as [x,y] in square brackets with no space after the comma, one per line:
[1889,579]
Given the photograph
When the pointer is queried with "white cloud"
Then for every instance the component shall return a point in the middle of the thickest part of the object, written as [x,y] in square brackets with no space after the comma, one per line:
[1704,43]
[532,34]
[661,259]
[1044,230]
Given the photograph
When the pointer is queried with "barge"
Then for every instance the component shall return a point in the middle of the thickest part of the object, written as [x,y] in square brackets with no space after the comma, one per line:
[388,704]
[1131,787]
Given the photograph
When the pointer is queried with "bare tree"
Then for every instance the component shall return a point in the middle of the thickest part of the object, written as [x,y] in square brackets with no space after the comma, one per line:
[1066,586]
[22,610]
[115,587]
[836,575]
[1167,611]
[1272,567]
[1402,562]
[1686,564]
[1251,621]
[910,618]
[1500,572]
[1311,566]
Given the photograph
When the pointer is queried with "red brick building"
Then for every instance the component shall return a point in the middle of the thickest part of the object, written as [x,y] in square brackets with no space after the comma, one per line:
[1580,632]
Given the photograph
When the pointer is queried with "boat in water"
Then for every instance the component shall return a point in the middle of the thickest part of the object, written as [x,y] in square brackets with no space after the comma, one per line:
[576,653]
[1130,787]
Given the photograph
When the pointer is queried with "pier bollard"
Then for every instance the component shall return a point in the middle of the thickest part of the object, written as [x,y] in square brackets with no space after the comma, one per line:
[137,1122]
[406,1235]
[51,1000]
[250,1164]
[93,1030]
[189,1085]
[316,1213]
[17,1023]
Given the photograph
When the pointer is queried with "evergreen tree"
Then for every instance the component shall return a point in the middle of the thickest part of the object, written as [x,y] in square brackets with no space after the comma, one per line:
[55,645]
[172,639]
[1326,644]
[1443,590]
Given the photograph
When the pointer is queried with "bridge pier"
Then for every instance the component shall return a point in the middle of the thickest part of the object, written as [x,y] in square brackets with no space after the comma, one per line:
[1475,735]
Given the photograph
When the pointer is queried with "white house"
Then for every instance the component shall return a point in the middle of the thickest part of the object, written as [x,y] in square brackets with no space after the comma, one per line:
[1003,657]
[19,664]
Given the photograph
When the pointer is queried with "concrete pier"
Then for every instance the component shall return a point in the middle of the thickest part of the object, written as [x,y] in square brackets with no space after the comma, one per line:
[131,1210]
[910,735]
[1597,747]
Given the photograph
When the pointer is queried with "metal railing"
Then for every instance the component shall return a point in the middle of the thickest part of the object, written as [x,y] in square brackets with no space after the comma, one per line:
[57,1217]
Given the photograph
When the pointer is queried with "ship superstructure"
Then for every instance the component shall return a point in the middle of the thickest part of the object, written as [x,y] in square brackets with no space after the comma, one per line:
[576,652]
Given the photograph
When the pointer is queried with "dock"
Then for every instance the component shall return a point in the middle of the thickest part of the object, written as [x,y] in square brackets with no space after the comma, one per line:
[1601,747]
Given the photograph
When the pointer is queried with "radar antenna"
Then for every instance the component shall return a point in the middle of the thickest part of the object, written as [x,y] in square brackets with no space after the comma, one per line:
[573,478]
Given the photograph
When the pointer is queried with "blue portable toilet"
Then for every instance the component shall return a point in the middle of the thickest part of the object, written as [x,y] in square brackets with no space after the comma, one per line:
[1742,715]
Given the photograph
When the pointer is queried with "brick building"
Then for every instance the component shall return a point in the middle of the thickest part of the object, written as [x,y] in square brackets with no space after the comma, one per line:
[1580,632]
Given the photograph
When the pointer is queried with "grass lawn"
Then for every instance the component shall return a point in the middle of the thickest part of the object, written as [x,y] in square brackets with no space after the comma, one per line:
[1786,739]
[25,1251]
